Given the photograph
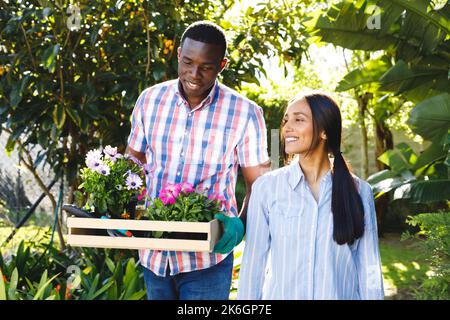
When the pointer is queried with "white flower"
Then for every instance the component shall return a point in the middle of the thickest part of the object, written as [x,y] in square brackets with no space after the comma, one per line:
[93,158]
[103,169]
[133,182]
[110,151]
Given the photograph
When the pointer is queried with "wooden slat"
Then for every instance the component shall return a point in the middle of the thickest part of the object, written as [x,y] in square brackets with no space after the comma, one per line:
[143,225]
[138,243]
[215,234]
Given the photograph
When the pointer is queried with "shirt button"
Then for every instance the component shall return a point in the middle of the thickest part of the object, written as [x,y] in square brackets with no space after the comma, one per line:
[178,173]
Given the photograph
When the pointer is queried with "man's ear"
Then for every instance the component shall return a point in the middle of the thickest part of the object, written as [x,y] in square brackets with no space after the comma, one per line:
[179,53]
[223,63]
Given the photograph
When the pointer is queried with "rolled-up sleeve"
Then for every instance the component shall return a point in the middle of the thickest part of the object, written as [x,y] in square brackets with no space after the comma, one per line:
[257,244]
[368,261]
[137,140]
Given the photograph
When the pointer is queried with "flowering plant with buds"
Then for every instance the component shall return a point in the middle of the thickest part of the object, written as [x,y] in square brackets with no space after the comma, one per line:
[111,181]
[181,202]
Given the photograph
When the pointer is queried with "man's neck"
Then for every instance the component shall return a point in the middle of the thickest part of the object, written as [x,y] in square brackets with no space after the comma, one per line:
[194,101]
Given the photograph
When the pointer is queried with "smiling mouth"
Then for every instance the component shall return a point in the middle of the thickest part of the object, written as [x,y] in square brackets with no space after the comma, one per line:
[192,85]
[290,140]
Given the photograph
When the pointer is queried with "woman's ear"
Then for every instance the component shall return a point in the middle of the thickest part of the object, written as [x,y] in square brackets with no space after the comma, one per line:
[323,136]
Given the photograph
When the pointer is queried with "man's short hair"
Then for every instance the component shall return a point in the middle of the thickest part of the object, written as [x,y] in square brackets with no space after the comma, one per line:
[206,32]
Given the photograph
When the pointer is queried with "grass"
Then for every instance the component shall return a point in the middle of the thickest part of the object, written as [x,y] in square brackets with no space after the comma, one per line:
[403,267]
[27,233]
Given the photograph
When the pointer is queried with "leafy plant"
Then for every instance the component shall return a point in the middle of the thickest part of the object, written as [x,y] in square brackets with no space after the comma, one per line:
[180,202]
[26,274]
[111,181]
[413,65]
[435,236]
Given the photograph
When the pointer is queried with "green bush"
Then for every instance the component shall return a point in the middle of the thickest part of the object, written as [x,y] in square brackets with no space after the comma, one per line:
[435,235]
[32,272]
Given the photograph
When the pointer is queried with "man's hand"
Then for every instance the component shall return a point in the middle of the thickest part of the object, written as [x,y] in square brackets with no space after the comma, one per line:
[138,155]
[233,233]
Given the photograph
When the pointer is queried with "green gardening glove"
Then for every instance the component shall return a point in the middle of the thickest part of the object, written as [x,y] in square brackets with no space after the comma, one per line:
[233,233]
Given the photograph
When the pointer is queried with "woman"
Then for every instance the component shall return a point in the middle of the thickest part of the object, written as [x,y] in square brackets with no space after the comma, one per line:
[312,218]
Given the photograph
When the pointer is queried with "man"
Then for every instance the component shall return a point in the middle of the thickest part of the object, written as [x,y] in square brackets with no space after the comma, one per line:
[195,130]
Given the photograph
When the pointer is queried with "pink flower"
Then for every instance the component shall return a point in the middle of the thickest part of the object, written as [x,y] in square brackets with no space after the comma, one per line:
[169,193]
[219,198]
[167,197]
[174,189]
[142,195]
[187,187]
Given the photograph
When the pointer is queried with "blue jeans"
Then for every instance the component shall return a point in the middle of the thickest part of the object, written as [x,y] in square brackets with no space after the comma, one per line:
[213,283]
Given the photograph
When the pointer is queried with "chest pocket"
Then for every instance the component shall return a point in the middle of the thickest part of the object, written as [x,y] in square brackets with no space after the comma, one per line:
[285,218]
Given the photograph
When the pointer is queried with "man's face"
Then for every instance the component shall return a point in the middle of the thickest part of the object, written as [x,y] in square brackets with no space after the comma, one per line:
[198,67]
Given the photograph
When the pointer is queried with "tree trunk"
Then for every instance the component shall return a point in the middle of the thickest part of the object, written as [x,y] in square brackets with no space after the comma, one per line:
[384,141]
[363,101]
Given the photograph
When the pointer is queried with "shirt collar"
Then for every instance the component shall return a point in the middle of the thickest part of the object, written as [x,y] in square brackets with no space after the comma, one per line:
[207,101]
[296,174]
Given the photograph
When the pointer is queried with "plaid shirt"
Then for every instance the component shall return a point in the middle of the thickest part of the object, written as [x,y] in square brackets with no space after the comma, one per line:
[203,146]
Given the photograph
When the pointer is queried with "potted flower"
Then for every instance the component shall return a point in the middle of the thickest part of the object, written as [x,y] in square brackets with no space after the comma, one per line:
[181,202]
[112,183]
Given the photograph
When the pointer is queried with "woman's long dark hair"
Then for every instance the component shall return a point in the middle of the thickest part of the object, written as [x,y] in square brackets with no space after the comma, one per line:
[346,204]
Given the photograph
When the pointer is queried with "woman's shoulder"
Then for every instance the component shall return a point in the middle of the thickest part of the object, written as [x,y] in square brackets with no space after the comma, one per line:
[270,177]
[364,188]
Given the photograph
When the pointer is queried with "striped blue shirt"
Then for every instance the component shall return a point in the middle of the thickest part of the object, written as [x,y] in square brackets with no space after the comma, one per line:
[290,252]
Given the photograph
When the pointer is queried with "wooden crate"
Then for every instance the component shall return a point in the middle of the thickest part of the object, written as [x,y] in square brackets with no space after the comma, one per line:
[87,232]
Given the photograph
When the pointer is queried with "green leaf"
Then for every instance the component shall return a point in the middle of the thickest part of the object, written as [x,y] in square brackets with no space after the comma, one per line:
[380,176]
[59,116]
[73,114]
[2,287]
[10,144]
[16,94]
[110,264]
[395,160]
[418,8]
[370,73]
[345,25]
[13,285]
[387,185]
[402,78]
[102,290]
[49,57]
[92,111]
[159,71]
[137,295]
[431,117]
[425,191]
[43,285]
[432,153]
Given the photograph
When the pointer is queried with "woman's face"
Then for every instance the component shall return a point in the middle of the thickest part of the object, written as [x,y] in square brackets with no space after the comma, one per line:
[297,127]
